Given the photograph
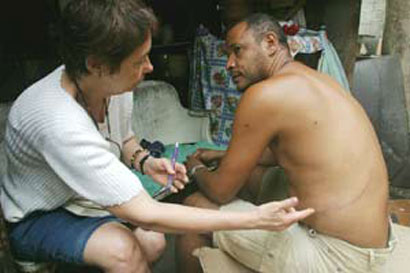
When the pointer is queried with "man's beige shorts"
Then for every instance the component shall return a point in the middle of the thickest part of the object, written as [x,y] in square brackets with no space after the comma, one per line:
[298,249]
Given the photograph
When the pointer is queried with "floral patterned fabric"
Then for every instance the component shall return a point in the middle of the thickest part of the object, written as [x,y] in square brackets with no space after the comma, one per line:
[211,87]
[306,41]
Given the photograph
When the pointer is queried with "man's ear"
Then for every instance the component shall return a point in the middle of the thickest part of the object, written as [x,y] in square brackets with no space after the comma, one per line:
[270,43]
[94,66]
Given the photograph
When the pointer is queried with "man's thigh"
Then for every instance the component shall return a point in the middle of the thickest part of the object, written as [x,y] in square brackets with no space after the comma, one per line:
[264,251]
[297,249]
[58,236]
[249,247]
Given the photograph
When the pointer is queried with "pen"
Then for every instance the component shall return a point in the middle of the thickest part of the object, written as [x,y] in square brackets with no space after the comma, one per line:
[170,180]
[173,160]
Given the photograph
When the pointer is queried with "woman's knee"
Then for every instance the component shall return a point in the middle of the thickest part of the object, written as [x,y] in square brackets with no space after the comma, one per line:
[159,244]
[153,243]
[114,246]
[125,249]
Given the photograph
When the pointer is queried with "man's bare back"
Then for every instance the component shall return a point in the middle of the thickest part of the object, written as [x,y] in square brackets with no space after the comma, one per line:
[332,157]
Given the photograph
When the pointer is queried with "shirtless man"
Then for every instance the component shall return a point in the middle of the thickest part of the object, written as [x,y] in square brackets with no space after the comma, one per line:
[295,117]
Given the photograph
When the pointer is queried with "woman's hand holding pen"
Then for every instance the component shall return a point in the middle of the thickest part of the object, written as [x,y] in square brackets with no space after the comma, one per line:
[160,168]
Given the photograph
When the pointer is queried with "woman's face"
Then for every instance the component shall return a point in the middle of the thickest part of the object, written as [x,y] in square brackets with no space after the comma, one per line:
[132,69]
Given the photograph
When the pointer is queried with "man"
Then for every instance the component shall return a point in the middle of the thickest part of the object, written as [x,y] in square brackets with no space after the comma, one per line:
[303,121]
[68,194]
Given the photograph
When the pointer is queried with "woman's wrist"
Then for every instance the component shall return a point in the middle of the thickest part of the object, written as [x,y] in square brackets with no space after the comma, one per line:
[257,218]
[135,158]
[142,163]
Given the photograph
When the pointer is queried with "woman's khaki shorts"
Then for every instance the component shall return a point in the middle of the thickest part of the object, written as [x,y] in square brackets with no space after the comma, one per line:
[298,249]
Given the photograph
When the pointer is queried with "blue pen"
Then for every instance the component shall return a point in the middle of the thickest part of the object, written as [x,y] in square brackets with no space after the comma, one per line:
[173,161]
[170,181]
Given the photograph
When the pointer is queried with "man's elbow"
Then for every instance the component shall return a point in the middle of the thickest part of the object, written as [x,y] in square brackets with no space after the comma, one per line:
[221,197]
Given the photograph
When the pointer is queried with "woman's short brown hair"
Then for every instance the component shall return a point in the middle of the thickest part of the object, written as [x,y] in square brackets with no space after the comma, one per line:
[109,30]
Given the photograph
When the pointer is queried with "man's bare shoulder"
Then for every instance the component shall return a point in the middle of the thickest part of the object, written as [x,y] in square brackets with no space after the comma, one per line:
[280,90]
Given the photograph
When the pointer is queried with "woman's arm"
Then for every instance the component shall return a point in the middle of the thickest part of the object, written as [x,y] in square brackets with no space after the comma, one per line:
[145,212]
[129,148]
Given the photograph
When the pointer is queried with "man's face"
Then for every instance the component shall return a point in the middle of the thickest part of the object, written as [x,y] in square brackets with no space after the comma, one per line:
[246,58]
[133,68]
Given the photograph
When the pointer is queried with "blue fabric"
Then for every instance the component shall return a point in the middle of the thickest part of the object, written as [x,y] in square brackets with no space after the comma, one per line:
[58,236]
[184,150]
[330,63]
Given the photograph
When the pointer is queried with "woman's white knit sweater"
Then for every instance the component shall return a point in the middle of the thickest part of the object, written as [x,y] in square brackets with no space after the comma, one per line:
[55,153]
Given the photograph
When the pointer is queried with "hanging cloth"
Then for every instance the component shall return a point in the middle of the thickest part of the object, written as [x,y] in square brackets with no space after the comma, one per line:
[330,63]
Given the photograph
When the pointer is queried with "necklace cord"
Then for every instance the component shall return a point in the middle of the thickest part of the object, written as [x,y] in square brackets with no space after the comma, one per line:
[82,101]
[80,95]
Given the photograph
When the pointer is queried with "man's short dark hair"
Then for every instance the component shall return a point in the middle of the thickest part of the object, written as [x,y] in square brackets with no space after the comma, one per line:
[109,30]
[261,23]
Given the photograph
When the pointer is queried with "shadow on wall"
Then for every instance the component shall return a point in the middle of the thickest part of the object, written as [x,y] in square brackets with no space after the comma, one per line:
[28,44]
